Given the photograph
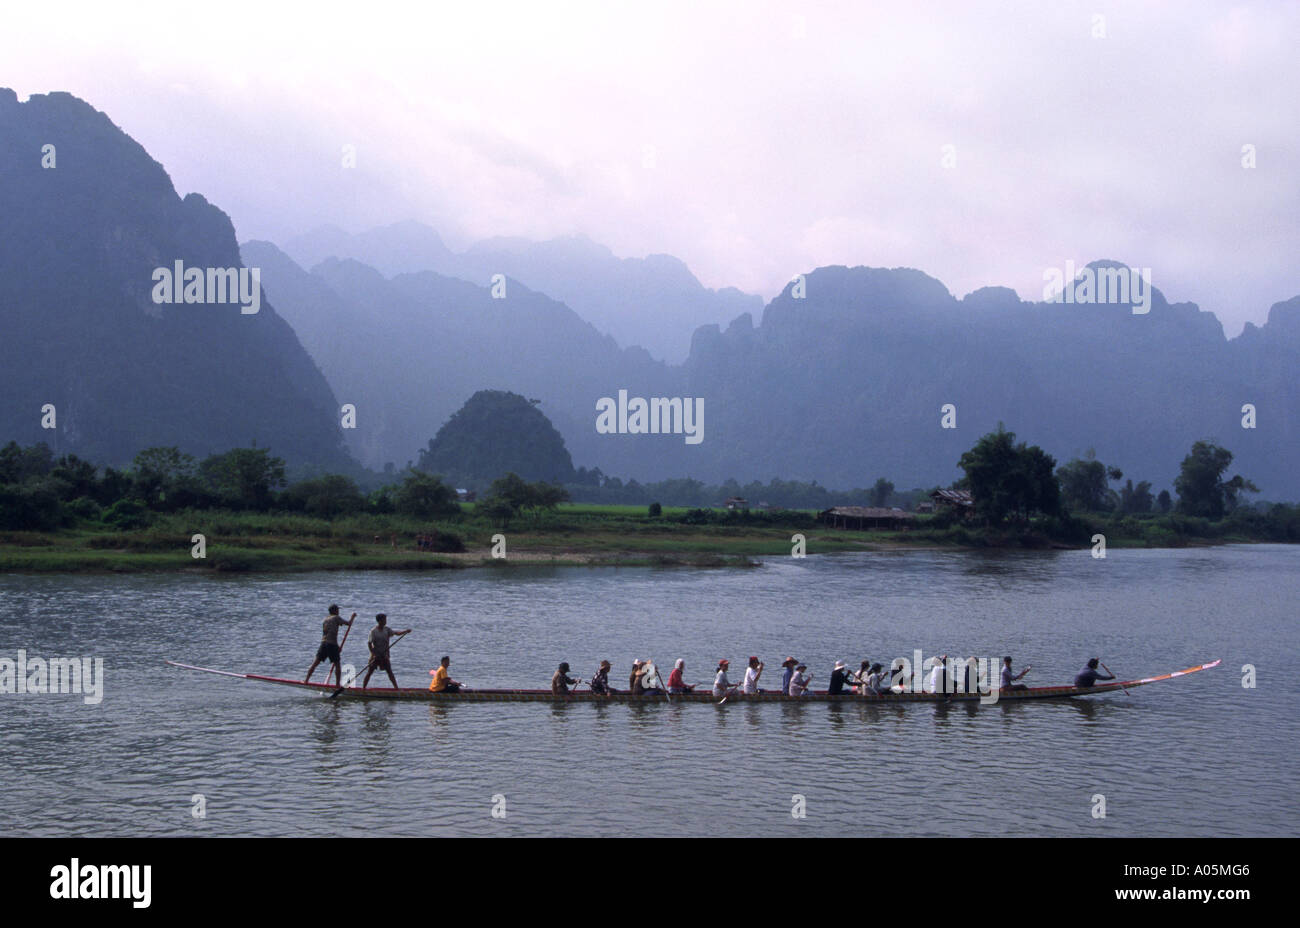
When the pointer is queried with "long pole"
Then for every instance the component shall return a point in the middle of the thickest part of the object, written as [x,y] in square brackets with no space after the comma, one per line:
[660,682]
[369,664]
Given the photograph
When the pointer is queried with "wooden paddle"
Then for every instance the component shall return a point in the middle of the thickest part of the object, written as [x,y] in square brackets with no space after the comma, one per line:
[659,683]
[577,682]
[339,665]
[1121,685]
[369,664]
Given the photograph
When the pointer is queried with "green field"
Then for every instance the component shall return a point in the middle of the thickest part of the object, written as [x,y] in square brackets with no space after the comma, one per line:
[574,534]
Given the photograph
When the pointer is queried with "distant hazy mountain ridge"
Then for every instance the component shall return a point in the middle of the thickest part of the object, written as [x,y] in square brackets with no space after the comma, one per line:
[409,351]
[848,383]
[653,302]
[841,379]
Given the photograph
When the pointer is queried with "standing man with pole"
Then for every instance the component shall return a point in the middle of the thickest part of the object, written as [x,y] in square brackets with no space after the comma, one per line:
[329,644]
[379,642]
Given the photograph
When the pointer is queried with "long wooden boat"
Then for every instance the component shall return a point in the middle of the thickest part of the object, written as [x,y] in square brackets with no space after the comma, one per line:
[501,695]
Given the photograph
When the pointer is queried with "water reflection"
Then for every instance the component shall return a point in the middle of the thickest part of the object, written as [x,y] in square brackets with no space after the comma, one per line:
[325,731]
[439,715]
[376,727]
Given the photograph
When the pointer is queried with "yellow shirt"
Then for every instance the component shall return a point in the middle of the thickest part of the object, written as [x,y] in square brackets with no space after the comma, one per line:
[440,678]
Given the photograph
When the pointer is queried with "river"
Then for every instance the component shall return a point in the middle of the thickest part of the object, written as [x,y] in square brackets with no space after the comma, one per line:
[1202,755]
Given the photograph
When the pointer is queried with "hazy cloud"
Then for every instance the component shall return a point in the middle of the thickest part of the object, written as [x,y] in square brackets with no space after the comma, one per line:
[749,139]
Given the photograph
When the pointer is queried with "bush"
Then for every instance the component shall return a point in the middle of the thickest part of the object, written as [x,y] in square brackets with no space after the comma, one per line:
[85,509]
[656,510]
[446,542]
[791,518]
[1066,528]
[1156,537]
[32,506]
[127,514]
[1129,527]
[1187,526]
[328,497]
[945,517]
[425,496]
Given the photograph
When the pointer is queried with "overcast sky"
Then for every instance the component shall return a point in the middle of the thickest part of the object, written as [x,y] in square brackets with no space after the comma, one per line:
[753,140]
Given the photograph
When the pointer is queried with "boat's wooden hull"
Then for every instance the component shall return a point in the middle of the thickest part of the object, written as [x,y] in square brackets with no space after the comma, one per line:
[504,695]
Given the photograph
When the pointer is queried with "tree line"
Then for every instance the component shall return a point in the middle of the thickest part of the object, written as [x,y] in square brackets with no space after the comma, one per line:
[1012,481]
[592,486]
[39,492]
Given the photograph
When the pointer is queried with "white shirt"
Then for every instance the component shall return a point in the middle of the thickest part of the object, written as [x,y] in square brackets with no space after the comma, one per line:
[721,684]
[798,683]
[936,679]
[751,680]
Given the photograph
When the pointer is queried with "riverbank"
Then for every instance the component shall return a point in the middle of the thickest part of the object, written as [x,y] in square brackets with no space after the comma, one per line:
[573,535]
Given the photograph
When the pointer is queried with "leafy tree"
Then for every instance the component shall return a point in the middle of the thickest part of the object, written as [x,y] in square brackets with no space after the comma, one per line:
[18,464]
[1165,501]
[1009,480]
[588,478]
[85,509]
[127,514]
[1083,483]
[33,505]
[1200,486]
[513,489]
[244,478]
[113,485]
[381,501]
[425,497]
[1136,499]
[881,492]
[655,510]
[329,496]
[497,510]
[160,473]
[546,497]
[78,477]
[515,495]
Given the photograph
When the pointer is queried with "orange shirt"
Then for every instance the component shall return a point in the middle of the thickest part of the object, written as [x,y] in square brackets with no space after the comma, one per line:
[440,678]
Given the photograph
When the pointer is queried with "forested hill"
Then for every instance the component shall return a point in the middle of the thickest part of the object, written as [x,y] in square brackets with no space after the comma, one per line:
[86,219]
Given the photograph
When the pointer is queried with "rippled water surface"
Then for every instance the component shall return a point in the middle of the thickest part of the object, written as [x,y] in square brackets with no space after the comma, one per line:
[1196,756]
